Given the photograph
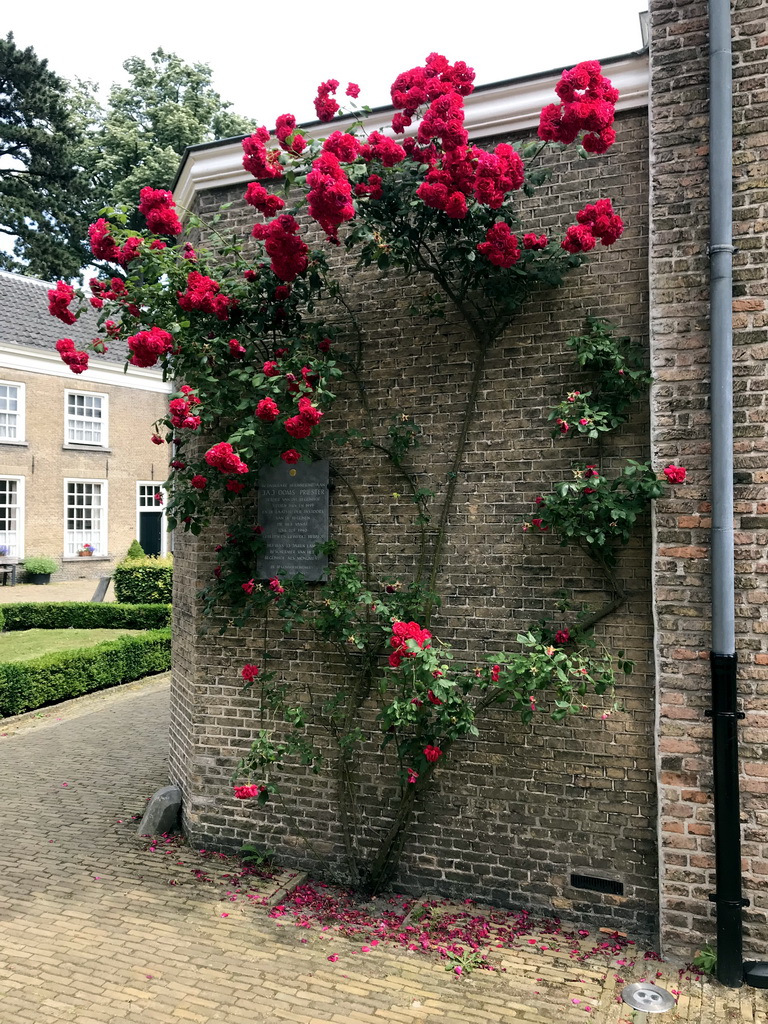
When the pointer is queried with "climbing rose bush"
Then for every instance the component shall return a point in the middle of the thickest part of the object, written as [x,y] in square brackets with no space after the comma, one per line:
[242,327]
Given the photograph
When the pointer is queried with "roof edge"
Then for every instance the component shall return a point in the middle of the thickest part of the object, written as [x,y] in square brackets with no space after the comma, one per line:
[216,164]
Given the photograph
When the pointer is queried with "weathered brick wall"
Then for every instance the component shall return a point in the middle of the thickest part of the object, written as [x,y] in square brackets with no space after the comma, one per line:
[514,814]
[680,432]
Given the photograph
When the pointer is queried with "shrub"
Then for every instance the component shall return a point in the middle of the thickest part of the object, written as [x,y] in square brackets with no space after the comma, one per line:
[25,685]
[40,565]
[2,620]
[144,581]
[84,615]
[135,550]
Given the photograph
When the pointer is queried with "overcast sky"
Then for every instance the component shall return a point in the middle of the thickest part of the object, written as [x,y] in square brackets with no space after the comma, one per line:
[268,58]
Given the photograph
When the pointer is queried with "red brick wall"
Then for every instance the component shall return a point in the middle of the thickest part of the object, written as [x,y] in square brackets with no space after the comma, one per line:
[680,433]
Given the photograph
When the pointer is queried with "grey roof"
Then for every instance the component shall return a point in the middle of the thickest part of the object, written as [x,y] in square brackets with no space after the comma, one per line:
[25,320]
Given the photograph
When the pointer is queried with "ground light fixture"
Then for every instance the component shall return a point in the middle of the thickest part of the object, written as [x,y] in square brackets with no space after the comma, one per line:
[648,998]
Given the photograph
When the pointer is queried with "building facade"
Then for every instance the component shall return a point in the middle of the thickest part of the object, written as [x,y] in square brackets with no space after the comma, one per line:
[629,799]
[77,467]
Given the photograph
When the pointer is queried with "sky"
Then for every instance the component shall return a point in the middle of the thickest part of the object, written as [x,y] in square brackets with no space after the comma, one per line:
[265,66]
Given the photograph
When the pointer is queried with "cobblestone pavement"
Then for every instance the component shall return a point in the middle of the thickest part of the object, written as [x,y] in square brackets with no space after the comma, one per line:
[92,931]
[67,590]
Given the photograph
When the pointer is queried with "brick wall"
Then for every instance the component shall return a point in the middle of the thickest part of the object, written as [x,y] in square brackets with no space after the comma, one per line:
[514,814]
[680,357]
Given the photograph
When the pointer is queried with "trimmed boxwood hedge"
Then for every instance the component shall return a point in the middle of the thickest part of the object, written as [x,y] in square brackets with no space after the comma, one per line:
[84,615]
[25,685]
[144,581]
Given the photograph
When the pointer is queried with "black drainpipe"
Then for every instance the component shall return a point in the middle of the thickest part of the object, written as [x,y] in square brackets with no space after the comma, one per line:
[731,970]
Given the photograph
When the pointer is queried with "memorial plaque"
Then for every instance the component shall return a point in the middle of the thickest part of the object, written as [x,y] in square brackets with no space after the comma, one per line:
[293,513]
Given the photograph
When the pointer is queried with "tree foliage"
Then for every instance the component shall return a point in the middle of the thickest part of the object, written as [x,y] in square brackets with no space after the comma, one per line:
[68,155]
[43,190]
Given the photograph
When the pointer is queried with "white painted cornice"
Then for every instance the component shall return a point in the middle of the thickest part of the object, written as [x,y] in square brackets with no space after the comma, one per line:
[26,359]
[490,110]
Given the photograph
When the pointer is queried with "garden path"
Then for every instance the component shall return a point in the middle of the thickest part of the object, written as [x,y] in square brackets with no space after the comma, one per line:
[96,929]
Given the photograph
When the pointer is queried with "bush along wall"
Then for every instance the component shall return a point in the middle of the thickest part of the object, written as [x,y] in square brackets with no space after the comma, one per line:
[26,685]
[144,581]
[84,615]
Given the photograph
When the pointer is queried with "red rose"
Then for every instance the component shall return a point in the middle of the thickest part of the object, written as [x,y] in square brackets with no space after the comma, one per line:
[675,474]
[432,753]
[198,482]
[291,456]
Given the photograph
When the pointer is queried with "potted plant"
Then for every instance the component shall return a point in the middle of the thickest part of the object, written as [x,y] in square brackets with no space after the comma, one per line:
[4,549]
[86,550]
[39,569]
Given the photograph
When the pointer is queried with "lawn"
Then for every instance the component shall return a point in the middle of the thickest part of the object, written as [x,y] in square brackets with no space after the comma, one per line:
[23,645]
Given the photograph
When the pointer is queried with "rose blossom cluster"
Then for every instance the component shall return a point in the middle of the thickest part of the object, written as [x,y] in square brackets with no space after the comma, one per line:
[181,410]
[419,86]
[203,294]
[225,459]
[265,202]
[248,792]
[59,299]
[159,210]
[489,177]
[675,474]
[402,632]
[597,221]
[300,426]
[286,250]
[257,160]
[588,105]
[330,195]
[325,105]
[147,347]
[285,127]
[500,246]
[75,360]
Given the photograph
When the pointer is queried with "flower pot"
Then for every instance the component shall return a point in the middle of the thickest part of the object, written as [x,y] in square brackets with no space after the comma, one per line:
[85,554]
[39,577]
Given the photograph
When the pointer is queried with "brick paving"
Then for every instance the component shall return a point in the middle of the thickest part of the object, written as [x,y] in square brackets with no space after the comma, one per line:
[92,931]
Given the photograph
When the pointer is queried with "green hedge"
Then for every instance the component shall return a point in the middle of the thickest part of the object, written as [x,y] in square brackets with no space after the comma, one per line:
[144,581]
[84,615]
[25,685]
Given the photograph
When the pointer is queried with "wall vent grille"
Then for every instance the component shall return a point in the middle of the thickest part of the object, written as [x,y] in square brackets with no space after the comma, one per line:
[597,884]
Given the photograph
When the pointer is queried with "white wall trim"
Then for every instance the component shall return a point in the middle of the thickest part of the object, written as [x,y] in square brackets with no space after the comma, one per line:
[24,359]
[508,107]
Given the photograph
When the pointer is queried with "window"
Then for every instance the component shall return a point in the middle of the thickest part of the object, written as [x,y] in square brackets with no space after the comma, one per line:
[11,411]
[85,515]
[12,515]
[86,419]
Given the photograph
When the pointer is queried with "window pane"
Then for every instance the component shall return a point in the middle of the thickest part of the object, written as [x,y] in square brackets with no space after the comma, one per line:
[84,518]
[9,516]
[84,419]
[9,412]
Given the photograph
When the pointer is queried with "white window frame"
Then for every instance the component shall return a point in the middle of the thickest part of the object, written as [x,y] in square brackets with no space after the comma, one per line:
[102,550]
[20,482]
[158,508]
[21,415]
[80,445]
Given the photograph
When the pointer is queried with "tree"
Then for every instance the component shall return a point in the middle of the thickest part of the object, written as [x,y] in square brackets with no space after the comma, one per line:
[42,186]
[139,137]
[71,156]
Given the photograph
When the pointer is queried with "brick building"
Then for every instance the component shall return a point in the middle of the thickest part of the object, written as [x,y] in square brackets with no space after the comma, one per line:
[76,462]
[627,799]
